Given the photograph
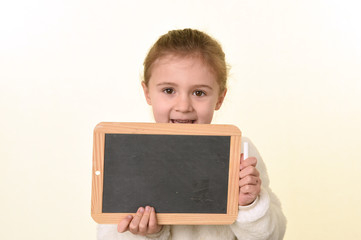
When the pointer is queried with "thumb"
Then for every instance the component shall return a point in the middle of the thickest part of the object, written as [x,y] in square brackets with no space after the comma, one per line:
[124,224]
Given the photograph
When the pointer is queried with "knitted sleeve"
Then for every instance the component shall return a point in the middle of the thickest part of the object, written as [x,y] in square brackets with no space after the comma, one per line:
[110,232]
[263,219]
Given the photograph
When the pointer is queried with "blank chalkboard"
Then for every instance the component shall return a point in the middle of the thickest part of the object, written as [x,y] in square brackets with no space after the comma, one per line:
[186,172]
[174,174]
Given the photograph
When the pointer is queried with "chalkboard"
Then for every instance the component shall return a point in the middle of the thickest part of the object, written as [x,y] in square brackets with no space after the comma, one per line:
[174,174]
[186,172]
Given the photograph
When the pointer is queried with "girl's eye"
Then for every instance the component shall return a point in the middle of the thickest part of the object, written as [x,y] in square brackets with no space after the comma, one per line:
[168,90]
[199,93]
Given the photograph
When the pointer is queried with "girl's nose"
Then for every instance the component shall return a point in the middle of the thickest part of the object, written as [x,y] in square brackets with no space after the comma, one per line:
[184,104]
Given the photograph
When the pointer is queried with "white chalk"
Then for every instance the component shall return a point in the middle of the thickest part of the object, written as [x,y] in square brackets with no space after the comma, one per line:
[245,150]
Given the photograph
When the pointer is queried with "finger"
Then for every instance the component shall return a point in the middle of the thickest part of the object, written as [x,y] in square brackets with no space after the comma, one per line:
[246,199]
[248,180]
[143,225]
[240,163]
[250,189]
[251,161]
[250,170]
[153,223]
[134,224]
[124,224]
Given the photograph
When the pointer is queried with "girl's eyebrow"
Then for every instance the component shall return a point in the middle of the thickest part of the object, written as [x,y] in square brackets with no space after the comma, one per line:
[203,86]
[166,83]
[193,86]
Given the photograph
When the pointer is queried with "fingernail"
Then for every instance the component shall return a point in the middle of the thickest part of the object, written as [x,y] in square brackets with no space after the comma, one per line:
[129,216]
[141,210]
[147,208]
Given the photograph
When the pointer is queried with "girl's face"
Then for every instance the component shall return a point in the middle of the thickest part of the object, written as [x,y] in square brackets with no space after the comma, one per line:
[182,90]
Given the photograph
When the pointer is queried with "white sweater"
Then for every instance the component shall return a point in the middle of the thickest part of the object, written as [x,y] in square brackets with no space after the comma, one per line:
[263,219]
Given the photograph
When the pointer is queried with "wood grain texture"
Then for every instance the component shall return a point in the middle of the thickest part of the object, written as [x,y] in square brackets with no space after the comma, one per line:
[98,165]
[167,129]
[171,218]
[233,180]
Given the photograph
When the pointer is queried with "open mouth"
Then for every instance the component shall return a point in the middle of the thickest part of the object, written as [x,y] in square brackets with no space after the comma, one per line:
[182,121]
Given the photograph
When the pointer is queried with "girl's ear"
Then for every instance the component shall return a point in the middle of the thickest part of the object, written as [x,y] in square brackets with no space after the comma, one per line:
[220,99]
[146,93]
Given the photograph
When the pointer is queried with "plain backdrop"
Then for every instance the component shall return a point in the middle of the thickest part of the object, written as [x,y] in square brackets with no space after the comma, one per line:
[294,89]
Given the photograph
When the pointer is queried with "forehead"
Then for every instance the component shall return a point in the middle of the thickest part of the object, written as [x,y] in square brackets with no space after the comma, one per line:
[190,66]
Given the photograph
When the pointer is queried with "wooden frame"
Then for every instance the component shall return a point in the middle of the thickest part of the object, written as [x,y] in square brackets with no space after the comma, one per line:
[172,129]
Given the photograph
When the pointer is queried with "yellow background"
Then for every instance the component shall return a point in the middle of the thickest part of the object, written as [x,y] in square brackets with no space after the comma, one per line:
[294,89]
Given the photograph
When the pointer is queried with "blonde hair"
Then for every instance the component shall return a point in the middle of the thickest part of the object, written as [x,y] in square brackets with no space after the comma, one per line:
[188,42]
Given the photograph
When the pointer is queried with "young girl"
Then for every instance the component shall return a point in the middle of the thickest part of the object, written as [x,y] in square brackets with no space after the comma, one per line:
[185,77]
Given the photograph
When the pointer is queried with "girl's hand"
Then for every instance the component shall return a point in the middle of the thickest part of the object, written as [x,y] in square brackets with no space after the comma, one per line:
[249,181]
[144,222]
